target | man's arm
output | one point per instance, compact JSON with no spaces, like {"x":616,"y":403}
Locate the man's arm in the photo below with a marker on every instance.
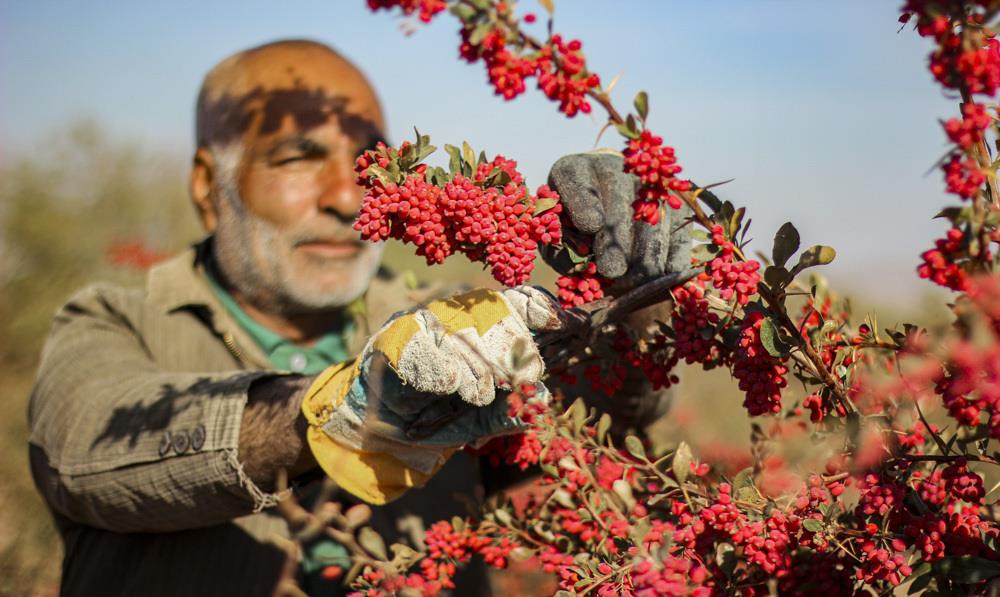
{"x":120,"y":444}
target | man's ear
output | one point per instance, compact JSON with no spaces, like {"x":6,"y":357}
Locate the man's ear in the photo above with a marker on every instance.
{"x":200,"y":187}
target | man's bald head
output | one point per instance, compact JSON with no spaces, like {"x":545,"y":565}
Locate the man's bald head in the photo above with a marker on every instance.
{"x":254,"y":91}
{"x":279,"y":128}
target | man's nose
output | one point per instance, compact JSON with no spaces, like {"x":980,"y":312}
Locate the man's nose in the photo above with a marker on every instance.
{"x":339,"y":195}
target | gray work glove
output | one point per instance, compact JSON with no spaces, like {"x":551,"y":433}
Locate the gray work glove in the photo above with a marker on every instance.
{"x":597,"y":198}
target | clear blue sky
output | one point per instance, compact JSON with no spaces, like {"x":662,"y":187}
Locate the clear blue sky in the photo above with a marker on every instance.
{"x":822,"y":113}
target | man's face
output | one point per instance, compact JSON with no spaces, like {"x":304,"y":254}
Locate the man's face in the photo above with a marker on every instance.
{"x":284,"y":238}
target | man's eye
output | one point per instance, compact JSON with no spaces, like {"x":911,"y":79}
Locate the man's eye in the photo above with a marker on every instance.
{"x":287,"y":159}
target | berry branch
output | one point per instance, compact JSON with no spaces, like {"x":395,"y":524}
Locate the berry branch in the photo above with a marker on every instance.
{"x":610,"y":516}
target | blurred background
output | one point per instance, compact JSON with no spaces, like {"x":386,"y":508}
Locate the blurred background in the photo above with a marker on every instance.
{"x":821,"y":113}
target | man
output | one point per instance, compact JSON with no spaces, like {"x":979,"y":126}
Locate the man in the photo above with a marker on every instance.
{"x":162,"y":415}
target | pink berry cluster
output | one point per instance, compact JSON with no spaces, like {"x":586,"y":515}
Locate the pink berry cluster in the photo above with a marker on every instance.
{"x":942,"y":263}
{"x":730,"y":277}
{"x":759,"y":374}
{"x":971,"y":388}
{"x":656,"y":166}
{"x":558,"y":65}
{"x":487,"y":214}
{"x":579,"y":288}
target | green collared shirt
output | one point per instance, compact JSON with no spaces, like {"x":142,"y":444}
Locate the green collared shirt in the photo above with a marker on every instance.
{"x":284,"y":354}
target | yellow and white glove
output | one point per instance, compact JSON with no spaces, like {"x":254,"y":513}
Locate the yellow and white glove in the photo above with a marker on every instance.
{"x":424,"y":386}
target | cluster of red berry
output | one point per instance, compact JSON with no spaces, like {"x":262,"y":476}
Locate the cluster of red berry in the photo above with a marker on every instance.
{"x":759,"y":374}
{"x":558,"y":65}
{"x":489,"y":216}
{"x":731,"y":277}
{"x":941,"y":264}
{"x":426,"y":9}
{"x":656,"y":166}
{"x":581,"y":287}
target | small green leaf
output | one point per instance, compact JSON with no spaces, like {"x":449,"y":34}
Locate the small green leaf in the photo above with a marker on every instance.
{"x":812,"y":525}
{"x":626,"y":132}
{"x":455,"y":161}
{"x":634,"y":446}
{"x":681,"y":464}
{"x":786,"y":242}
{"x":770,"y":339}
{"x":380,"y":173}
{"x":642,"y":104}
{"x":813,"y":256}
{"x":564,"y":499}
{"x":373,"y":543}
{"x":544,"y":204}
{"x":503,"y":517}
{"x":464,"y":12}
{"x":603,"y":425}
{"x":624,"y":491}
{"x":479,"y":33}
{"x":725,"y":557}
{"x":469,"y":155}
{"x":776,"y":276}
{"x":710,"y":199}
{"x":578,"y":414}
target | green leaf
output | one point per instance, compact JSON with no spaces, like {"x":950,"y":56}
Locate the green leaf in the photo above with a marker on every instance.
{"x":626,"y":132}
{"x":545,"y":204}
{"x":503,"y":517}
{"x":641,"y":104}
{"x":736,"y":222}
{"x":380,"y":173}
{"x":710,"y":199}
{"x":681,"y":464}
{"x":603,"y":425}
{"x":373,"y":543}
{"x":624,"y":491}
{"x":771,"y":340}
{"x":744,"y":488}
{"x":578,"y":414}
{"x":776,"y":276}
{"x":786,"y":242}
{"x":813,"y":256}
{"x":564,"y":499}
{"x":455,"y":161}
{"x":634,"y":446}
{"x":469,"y":155}
{"x":479,"y":33}
{"x":725,"y":557}
{"x":812,"y":525}
{"x":464,"y":12}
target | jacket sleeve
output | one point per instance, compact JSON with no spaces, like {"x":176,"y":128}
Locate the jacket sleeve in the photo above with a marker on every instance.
{"x":120,"y":444}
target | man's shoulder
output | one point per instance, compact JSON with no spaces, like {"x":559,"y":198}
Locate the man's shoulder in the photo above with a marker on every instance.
{"x":165,"y":285}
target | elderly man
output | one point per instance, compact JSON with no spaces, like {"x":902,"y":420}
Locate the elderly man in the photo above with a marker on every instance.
{"x":162,"y":415}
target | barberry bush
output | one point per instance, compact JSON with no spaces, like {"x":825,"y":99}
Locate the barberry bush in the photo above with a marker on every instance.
{"x":898,"y":499}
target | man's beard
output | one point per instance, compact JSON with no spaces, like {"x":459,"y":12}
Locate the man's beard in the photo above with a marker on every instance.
{"x":258,"y":261}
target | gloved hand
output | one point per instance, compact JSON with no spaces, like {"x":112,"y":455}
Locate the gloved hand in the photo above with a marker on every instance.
{"x":424,"y":386}
{"x":597,"y":197}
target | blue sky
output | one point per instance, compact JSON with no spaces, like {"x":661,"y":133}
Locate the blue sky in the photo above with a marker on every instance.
{"x":820,"y":111}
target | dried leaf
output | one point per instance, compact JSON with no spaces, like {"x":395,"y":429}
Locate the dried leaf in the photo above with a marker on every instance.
{"x":682,"y":462}
{"x":548,"y":5}
{"x":813,"y":256}
{"x":372,"y":542}
{"x":545,"y":204}
{"x":603,"y":425}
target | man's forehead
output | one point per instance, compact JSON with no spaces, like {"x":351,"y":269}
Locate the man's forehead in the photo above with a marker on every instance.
{"x":257,"y":94}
